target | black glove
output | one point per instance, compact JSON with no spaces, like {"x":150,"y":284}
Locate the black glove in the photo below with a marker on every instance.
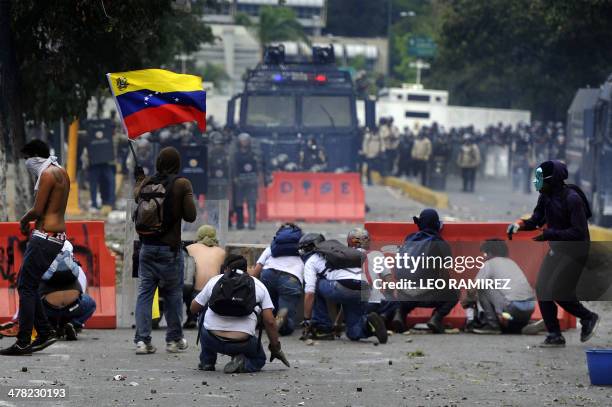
{"x":277,"y":353}
{"x":539,"y":238}
{"x":138,"y":172}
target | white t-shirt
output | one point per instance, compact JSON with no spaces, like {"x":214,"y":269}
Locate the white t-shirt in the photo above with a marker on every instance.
{"x":216,"y":322}
{"x":506,"y":268}
{"x":82,"y":280}
{"x":289,"y":264}
{"x":316,"y":265}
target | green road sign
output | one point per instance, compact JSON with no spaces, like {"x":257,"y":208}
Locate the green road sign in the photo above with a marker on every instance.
{"x":421,"y":46}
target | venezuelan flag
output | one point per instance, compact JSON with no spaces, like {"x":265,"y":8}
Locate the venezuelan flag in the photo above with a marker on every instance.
{"x":150,"y":99}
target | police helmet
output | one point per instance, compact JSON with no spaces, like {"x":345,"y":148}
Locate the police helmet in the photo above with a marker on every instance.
{"x":358,"y":238}
{"x":216,"y":137}
{"x":308,"y":242}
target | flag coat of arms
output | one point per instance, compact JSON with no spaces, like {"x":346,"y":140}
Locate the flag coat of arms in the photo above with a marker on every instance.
{"x":151,"y":99}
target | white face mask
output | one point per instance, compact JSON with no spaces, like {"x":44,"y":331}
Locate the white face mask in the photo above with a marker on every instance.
{"x":34,"y":165}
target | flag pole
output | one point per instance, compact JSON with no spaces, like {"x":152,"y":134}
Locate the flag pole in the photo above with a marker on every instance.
{"x":133,"y":153}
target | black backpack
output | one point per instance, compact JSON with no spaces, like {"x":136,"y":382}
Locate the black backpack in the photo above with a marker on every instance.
{"x":580,"y":192}
{"x":338,"y":256}
{"x":153,"y":214}
{"x":233,"y":295}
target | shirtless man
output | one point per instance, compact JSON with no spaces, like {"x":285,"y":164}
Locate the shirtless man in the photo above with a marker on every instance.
{"x":45,"y":242}
{"x":208,"y":258}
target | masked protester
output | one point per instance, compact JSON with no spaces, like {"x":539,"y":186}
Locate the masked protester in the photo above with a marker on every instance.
{"x":45,"y":243}
{"x":564,"y":210}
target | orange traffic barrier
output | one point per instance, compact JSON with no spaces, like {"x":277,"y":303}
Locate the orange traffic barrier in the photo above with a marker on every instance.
{"x":89,"y":248}
{"x":465,"y":239}
{"x":315,"y":197}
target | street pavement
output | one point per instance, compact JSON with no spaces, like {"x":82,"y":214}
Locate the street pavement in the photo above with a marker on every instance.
{"x":410,"y":370}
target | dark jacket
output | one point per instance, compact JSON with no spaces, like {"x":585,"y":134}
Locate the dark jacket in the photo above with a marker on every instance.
{"x":182,"y":201}
{"x":562,"y":210}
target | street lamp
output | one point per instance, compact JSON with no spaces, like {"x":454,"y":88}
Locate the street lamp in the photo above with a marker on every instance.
{"x":402,"y":14}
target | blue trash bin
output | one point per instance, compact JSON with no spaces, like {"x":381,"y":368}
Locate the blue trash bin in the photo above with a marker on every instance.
{"x":599,"y":362}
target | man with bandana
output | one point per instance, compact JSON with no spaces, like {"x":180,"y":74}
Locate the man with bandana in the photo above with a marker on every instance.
{"x":208,"y":258}
{"x":564,"y":210}
{"x":45,"y":243}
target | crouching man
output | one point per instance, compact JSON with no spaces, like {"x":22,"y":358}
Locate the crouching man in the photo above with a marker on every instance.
{"x":508,"y":310}
{"x":63,"y":291}
{"x":333,"y":273}
{"x":231,"y":302}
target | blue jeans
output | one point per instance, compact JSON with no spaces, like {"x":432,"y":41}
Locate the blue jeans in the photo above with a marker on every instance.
{"x":286,"y":292}
{"x":102,"y":175}
{"x":251,"y":349}
{"x":39,"y":255}
{"x":353,"y":307}
{"x":78,"y":316}
{"x":159,"y":266}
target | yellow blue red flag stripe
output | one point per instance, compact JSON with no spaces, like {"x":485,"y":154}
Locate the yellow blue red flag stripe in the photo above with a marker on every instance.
{"x":150,"y":99}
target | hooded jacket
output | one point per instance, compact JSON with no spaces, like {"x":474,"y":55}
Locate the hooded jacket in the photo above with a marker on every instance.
{"x":561,"y":209}
{"x":181,"y":197}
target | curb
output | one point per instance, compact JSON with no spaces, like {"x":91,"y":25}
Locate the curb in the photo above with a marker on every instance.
{"x":600,"y":234}
{"x":417,"y":192}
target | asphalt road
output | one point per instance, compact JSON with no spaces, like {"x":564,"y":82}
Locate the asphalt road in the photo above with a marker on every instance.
{"x":455,"y":370}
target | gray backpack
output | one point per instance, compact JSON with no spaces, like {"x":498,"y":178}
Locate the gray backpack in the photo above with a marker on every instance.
{"x":153,"y":214}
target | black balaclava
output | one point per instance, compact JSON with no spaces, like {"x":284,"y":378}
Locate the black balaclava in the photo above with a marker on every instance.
{"x":168,"y":161}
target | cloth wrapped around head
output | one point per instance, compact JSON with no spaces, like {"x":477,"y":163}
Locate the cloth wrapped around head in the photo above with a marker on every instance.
{"x":207,"y":235}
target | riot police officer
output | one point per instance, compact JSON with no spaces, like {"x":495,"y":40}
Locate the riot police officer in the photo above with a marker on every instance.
{"x":246,"y":172}
{"x":218,"y":168}
{"x":312,"y":156}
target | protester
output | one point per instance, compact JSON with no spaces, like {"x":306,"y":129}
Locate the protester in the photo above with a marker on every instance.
{"x":468,"y":160}
{"x":63,"y":290}
{"x":46,"y":241}
{"x":507,"y":310}
{"x":161,"y":258}
{"x":333,"y":273}
{"x":564,"y":210}
{"x":231,"y":302}
{"x":208,"y":258}
{"x":281,"y":270}
{"x":426,"y":242}
{"x":246,"y":173}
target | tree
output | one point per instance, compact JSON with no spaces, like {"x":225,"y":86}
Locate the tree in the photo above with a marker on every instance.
{"x":63,"y":49}
{"x":528,"y":54}
{"x":357,"y":18}
{"x":279,"y":24}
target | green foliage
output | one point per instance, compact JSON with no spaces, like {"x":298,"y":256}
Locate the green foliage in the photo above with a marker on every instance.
{"x":279,"y":24}
{"x":528,"y":54}
{"x":65,"y":48}
{"x":214,"y":73}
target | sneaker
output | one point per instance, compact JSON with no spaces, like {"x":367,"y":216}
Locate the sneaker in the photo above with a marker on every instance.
{"x":207,"y":367}
{"x":553,"y":341}
{"x":70,"y":332}
{"x":17,"y":350}
{"x":42,"y":342}
{"x":144,"y":348}
{"x":487,"y":330}
{"x":177,"y":346}
{"x":236,"y":365}
{"x":435,"y":324}
{"x":588,"y":327}
{"x":281,"y":317}
{"x":321,"y":335}
{"x":377,"y":327}
{"x":534,"y":328}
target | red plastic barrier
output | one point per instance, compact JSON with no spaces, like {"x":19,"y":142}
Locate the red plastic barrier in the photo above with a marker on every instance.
{"x":91,"y":251}
{"x":315,"y":197}
{"x":527,"y":256}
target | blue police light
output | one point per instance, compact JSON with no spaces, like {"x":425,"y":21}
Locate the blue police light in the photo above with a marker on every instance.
{"x":277,"y":77}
